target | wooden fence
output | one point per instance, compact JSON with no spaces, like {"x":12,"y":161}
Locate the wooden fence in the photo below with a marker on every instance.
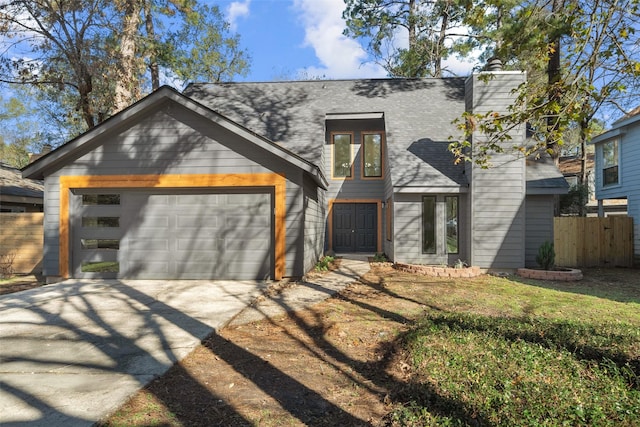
{"x":21,"y":241}
{"x":593,"y":241}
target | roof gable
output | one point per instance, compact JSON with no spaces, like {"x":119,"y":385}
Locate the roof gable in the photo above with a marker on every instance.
{"x":619,"y":127}
{"x":86,"y":142}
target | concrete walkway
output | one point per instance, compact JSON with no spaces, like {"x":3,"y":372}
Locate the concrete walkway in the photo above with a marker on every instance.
{"x":73,"y":352}
{"x":305,"y":293}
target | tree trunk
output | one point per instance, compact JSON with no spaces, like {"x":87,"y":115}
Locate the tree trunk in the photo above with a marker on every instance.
{"x":153,"y":53}
{"x":584,"y":124}
{"x":553,"y":75}
{"x":437,"y":72}
{"x":84,"y":90}
{"x":411,"y":24}
{"x":125,"y":92}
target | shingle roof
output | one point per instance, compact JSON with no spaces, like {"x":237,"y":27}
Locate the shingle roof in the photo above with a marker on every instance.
{"x":12,"y":183}
{"x":543,"y":176}
{"x":418,"y":118}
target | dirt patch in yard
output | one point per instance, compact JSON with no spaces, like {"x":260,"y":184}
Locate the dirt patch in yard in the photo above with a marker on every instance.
{"x":20,"y":283}
{"x":334,"y":363}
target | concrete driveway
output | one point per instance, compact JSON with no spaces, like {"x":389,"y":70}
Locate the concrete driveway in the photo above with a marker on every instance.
{"x":73,"y":352}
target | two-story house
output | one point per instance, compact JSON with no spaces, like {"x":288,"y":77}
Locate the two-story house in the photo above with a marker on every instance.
{"x":259,"y":180}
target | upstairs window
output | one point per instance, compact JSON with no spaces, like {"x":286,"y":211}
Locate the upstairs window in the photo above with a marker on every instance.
{"x":372,"y":155}
{"x":610,"y":162}
{"x":342,"y":155}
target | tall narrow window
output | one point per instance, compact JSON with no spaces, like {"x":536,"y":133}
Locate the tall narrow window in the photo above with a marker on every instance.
{"x":372,"y":155}
{"x":389,"y":219}
{"x":452,"y":224}
{"x":341,"y":155}
{"x":429,"y":225}
{"x":610,"y":162}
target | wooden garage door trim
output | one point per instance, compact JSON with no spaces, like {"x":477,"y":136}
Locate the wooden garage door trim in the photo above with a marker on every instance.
{"x":378,"y":203}
{"x":274,"y":180}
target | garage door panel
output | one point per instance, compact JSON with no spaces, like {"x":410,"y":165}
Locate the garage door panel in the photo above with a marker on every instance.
{"x":195,"y":222}
{"x":198,"y":200}
{"x":242,"y":245}
{"x":208,"y":246}
{"x":148,"y":270}
{"x":152,"y":222}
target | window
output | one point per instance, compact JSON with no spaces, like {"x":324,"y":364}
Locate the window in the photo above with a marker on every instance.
{"x":372,"y":155}
{"x":389,"y":219}
{"x":113,"y":244}
{"x":101,"y":221}
{"x":101,"y":267}
{"x":452,"y":225}
{"x":100,"y":199}
{"x":429,"y":225}
{"x":610,"y":162}
{"x":341,"y":155}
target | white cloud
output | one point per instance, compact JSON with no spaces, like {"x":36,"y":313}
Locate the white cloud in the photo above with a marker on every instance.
{"x":236,"y":10}
{"x":339,"y":56}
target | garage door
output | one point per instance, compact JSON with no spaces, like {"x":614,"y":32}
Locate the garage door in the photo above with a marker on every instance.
{"x":179,"y":236}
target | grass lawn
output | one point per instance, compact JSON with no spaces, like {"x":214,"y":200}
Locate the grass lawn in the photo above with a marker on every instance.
{"x":399,"y":349}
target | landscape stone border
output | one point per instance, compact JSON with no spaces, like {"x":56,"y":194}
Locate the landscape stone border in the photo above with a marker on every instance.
{"x":568,"y":275}
{"x":438,"y":271}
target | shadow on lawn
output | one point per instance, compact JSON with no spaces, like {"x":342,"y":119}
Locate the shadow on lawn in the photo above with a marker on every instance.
{"x":615,"y":284}
{"x":300,"y":401}
{"x":310,"y":407}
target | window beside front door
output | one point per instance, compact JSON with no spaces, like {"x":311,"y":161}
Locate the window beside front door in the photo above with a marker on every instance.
{"x":452,"y":224}
{"x":342,"y":156}
{"x":436,"y":218}
{"x":372,"y":155}
{"x":429,"y":224}
{"x":610,"y":162}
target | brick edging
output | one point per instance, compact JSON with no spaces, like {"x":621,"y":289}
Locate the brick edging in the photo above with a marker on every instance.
{"x":436,"y":271}
{"x":568,"y":275}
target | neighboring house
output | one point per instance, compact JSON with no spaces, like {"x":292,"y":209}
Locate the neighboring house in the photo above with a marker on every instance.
{"x":258,"y":180}
{"x":18,"y":194}
{"x":617,"y":168}
{"x":570,"y":166}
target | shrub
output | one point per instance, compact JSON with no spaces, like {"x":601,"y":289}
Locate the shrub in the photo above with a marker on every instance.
{"x":6,"y":265}
{"x":380,"y":257}
{"x":546,"y":257}
{"x":323,"y":263}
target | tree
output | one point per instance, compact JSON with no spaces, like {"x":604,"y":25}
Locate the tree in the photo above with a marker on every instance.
{"x":599,"y":60}
{"x":18,"y":132}
{"x":57,"y":46}
{"x":428,"y":26}
{"x":86,"y":58}
{"x":204,"y":50}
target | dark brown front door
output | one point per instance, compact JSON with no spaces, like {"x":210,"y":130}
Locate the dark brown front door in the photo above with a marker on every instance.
{"x":355,"y":227}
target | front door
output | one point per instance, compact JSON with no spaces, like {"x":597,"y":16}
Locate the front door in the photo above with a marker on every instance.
{"x":355,"y":227}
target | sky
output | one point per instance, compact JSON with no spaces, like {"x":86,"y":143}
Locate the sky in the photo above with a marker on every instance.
{"x":293,"y":39}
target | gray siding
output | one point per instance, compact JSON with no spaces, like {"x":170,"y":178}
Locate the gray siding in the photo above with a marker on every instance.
{"x":174,"y":140}
{"x":50,"y":258}
{"x":407,"y":225}
{"x":539,"y":226}
{"x":497,"y":194}
{"x":629,"y":177}
{"x":314,"y":224}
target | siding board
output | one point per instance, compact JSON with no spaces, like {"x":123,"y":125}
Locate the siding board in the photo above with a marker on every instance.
{"x":496,"y":198}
